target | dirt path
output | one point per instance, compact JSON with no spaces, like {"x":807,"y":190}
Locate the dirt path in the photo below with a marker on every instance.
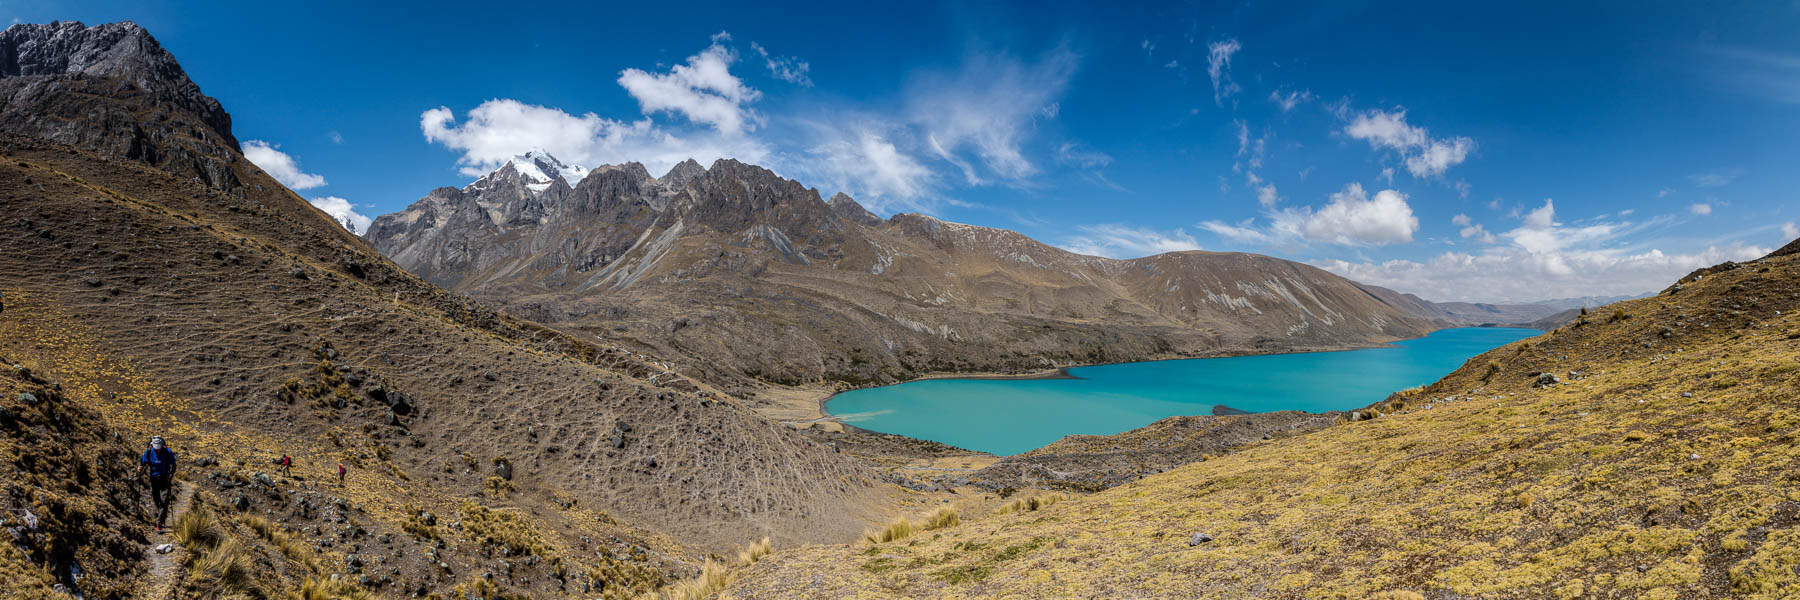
{"x":165,"y":572}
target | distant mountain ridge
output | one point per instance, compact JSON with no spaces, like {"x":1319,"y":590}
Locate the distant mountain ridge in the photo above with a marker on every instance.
{"x":744,"y":275}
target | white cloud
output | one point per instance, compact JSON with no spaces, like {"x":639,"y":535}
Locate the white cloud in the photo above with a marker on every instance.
{"x":1472,"y":230}
{"x":987,"y":109}
{"x":1123,"y":241}
{"x":1702,"y":209}
{"x":497,"y":130}
{"x":1663,"y":193}
{"x":703,"y":90}
{"x":1514,"y":274}
{"x":786,"y":68}
{"x":343,"y":212}
{"x":278,"y":164}
{"x":1544,"y":259}
{"x":1718,"y":178}
{"x":336,"y":138}
{"x":1291,"y":99}
{"x":1542,"y":217}
{"x":1351,"y":218}
{"x":1789,"y":231}
{"x":1218,"y":65}
{"x":1267,"y":196}
{"x":1424,"y":155}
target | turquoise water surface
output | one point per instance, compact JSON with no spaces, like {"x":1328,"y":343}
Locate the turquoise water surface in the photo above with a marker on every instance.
{"x":1011,"y":416}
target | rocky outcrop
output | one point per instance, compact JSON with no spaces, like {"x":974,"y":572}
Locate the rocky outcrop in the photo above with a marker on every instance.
{"x":114,"y":90}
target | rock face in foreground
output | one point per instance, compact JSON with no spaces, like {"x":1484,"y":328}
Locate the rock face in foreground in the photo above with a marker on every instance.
{"x":743,"y":276}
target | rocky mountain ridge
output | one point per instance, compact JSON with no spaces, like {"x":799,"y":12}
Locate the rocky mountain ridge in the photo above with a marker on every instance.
{"x":741,"y":275}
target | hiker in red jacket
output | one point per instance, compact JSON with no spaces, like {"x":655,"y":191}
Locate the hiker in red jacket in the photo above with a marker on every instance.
{"x":287,"y":465}
{"x":340,"y":474}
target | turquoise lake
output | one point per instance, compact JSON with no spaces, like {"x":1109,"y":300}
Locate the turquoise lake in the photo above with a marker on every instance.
{"x":1009,"y":416}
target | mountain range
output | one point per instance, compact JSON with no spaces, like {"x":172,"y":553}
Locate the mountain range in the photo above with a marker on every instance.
{"x":743,"y":276}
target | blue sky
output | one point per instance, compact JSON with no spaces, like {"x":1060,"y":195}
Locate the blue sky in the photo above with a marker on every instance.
{"x":1537,"y":151}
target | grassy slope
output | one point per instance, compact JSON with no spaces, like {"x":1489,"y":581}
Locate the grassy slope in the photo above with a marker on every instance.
{"x":1611,"y":484}
{"x":163,"y":307}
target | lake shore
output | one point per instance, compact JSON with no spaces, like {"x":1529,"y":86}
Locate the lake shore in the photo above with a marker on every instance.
{"x":805,"y":406}
{"x":1289,"y":375}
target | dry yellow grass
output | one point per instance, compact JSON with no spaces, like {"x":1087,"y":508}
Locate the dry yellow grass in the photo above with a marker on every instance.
{"x":1663,"y":466}
{"x":898,"y":530}
{"x":944,"y":517}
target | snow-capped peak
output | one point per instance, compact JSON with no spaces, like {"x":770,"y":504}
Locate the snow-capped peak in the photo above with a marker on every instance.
{"x":539,"y":169}
{"x":542,"y":168}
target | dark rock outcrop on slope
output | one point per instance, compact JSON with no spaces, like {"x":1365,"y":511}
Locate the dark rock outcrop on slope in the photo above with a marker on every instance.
{"x":113,"y":89}
{"x":744,"y":277}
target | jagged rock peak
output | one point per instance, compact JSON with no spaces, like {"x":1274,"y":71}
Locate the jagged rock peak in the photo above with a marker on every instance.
{"x":681,"y":173}
{"x":120,"y":50}
{"x":68,"y":47}
{"x":847,"y":208}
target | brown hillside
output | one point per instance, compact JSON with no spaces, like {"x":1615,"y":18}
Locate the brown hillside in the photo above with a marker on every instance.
{"x":1649,"y":451}
{"x":244,"y":324}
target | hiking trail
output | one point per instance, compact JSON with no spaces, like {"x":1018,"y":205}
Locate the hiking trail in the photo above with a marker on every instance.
{"x":164,"y":572}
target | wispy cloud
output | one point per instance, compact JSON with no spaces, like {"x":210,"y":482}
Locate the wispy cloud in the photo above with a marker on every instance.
{"x":1290,"y":99}
{"x":1218,"y":67}
{"x":1772,"y":76}
{"x":1124,"y":241}
{"x":786,"y":68}
{"x":978,"y":116}
{"x":1716,"y":178}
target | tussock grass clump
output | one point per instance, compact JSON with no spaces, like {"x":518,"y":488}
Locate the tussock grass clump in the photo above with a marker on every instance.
{"x":197,"y":530}
{"x":754,"y":552}
{"x":489,"y":526}
{"x":227,"y":567}
{"x":712,"y":579}
{"x":897,"y":530}
{"x":1031,"y":504}
{"x":944,"y":517}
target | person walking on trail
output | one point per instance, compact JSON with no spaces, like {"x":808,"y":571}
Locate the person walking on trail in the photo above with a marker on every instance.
{"x":287,"y":465}
{"x":340,"y":474}
{"x":159,"y":463}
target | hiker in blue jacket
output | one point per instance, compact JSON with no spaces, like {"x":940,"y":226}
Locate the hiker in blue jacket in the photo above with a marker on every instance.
{"x":159,"y":462}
